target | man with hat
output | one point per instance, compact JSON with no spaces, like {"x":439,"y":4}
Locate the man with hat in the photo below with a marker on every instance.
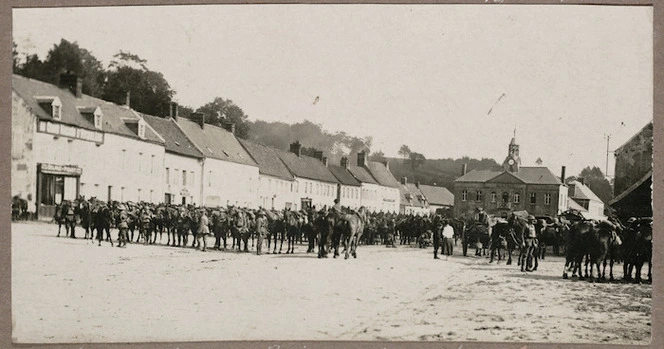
{"x":203,"y":230}
{"x":261,"y":230}
{"x":530,"y":244}
{"x":123,"y":227}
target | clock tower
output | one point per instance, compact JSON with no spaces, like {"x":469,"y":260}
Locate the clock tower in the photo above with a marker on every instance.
{"x":512,"y":161}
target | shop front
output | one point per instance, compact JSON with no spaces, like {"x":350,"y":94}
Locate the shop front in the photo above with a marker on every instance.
{"x":56,"y":183}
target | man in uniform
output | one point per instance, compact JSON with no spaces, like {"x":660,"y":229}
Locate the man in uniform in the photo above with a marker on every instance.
{"x":261,"y":230}
{"x":529,"y":244}
{"x":203,"y":230}
{"x":437,"y":236}
{"x":123,"y":227}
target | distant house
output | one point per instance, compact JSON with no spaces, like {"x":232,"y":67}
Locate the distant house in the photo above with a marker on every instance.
{"x":349,"y":188}
{"x":633,"y":176}
{"x":412,"y":199}
{"x":439,"y":198}
{"x":388,"y":192}
{"x":230,"y":175}
{"x":314,"y":185}
{"x":66,"y":144}
{"x":370,"y":188}
{"x":276,"y":189}
{"x":584,"y":197}
{"x":183,"y":162}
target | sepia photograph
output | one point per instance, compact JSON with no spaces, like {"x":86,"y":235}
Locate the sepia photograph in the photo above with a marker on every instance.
{"x":327,"y":172}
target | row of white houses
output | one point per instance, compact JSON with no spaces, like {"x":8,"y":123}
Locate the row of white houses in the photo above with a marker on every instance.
{"x":66,"y":144}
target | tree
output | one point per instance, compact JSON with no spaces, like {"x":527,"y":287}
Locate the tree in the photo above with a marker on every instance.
{"x":416,"y":160}
{"x":594,"y":179}
{"x":149,"y":91}
{"x":378,"y":156}
{"x":404,"y":151}
{"x":220,"y":110}
{"x":69,"y":57}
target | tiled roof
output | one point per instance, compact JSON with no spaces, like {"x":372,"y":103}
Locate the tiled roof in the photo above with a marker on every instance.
{"x":267,"y":159}
{"x":437,"y":195}
{"x":582,"y":192}
{"x":382,"y":174}
{"x":410,"y":191}
{"x":361,"y":174}
{"x":176,"y":141}
{"x":306,"y":167}
{"x":114,"y":115}
{"x":215,"y":142}
{"x":343,"y":175}
{"x":537,"y":175}
{"x":530,"y":175}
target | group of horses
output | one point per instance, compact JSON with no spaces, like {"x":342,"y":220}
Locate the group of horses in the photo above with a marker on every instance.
{"x":19,"y":208}
{"x":328,"y":229}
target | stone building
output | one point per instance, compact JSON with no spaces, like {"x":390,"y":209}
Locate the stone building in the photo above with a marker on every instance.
{"x":509,"y":188}
{"x":633,"y":176}
{"x":276,"y":188}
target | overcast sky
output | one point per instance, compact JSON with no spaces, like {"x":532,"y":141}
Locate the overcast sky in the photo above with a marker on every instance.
{"x":422,"y":75}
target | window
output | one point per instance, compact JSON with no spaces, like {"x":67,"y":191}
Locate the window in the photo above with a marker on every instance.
{"x":193,"y":179}
{"x":464,"y":195}
{"x":184,"y":177}
{"x":140,"y":162}
{"x":124,"y":159}
{"x":517,"y":198}
{"x":168,"y":178}
{"x":547,"y":199}
{"x":478,"y":195}
{"x":291,"y":187}
{"x":152,"y":164}
{"x":176,"y":180}
{"x":141,"y":129}
{"x":533,"y":198}
{"x":306,"y":187}
{"x":98,"y":120}
{"x":210,"y":179}
{"x":493,"y":196}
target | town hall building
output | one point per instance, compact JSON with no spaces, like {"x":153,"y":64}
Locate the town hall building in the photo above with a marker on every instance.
{"x":510,"y":188}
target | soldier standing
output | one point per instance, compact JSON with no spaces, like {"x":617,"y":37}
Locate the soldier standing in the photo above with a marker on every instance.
{"x":123,"y":227}
{"x":203,"y":230}
{"x":437,"y":236}
{"x":261,"y":231}
{"x":529,"y":244}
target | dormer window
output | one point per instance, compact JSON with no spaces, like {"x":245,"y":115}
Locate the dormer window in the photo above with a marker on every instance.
{"x":51,"y":105}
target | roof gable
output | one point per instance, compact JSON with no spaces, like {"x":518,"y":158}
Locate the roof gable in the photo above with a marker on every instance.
{"x":437,"y":195}
{"x":506,"y":177}
{"x":361,"y":174}
{"x":382,"y":174}
{"x":215,"y":142}
{"x":267,"y":159}
{"x":343,"y":175}
{"x":175,"y":140}
{"x":581,"y":191}
{"x":306,"y":167}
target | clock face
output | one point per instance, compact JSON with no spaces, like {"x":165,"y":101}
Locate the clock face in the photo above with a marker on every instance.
{"x":511,"y":161}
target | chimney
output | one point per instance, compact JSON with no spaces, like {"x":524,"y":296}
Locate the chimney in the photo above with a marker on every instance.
{"x":173,"y":111}
{"x":73,"y":83}
{"x":464,"y":168}
{"x":344,"y":162}
{"x":362,"y":159}
{"x":387,"y":164}
{"x":325,"y":161}
{"x":296,"y":148}
{"x":318,"y":155}
{"x":228,"y":126}
{"x":128,"y":99}
{"x":404,"y":180}
{"x":200,"y":118}
{"x":417,"y":184}
{"x":562,"y":174}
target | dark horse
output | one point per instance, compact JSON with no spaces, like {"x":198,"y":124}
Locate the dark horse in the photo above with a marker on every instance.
{"x":499,"y":237}
{"x":478,"y":235}
{"x":637,"y":249}
{"x":19,"y":208}
{"x":292,"y":224}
